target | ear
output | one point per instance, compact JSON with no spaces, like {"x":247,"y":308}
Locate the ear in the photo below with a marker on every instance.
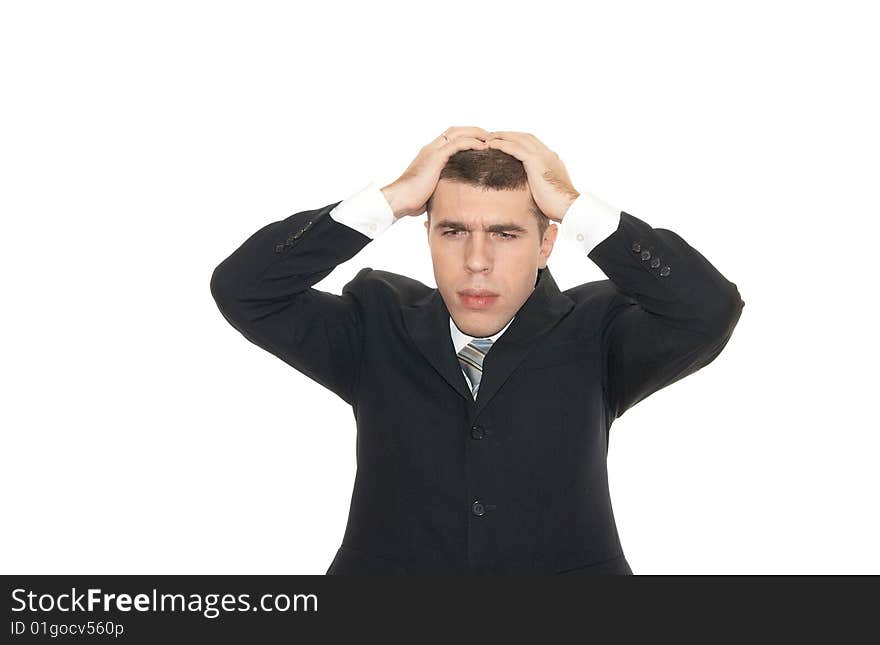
{"x":547,"y":244}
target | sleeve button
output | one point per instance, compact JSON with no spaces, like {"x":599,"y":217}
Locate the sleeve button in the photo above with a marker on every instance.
{"x":665,"y":271}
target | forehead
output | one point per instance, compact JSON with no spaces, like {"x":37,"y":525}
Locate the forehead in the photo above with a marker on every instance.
{"x":477,"y":204}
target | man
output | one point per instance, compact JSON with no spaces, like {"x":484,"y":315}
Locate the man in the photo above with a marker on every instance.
{"x":483,"y":406}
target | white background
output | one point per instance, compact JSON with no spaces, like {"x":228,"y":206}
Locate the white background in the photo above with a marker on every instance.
{"x":143,"y":142}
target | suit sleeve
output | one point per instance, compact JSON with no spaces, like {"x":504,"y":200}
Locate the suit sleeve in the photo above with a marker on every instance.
{"x":264,"y":290}
{"x":672,"y":314}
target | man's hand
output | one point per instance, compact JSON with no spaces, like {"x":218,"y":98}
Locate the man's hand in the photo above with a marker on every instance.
{"x":409,"y":194}
{"x":548,"y":179}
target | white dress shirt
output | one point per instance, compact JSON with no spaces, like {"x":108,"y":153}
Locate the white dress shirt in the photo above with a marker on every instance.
{"x":460,"y":339}
{"x":587,"y":222}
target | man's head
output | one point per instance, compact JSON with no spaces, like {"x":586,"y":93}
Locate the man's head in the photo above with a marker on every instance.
{"x":487,"y":234}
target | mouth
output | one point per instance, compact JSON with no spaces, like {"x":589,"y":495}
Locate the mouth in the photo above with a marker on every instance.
{"x":478,"y":298}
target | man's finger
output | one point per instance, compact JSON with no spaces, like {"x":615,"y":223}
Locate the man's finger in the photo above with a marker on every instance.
{"x":526,"y":140}
{"x":462,"y":143}
{"x":510,"y":134}
{"x":513,"y":148}
{"x":466,"y":130}
{"x":456,"y":132}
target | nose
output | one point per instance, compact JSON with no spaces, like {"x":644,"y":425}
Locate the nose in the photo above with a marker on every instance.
{"x":478,"y":253}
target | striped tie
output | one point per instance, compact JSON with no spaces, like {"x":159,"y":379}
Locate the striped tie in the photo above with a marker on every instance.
{"x":471,"y":358}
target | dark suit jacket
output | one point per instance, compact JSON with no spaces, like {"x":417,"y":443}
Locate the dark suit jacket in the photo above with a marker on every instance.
{"x":514,"y":482}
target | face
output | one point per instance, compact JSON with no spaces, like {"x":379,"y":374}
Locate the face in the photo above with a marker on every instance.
{"x":486,"y":242}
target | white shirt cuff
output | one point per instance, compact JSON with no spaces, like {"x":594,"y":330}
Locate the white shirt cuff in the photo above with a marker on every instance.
{"x":588,"y":221}
{"x":366,"y":211}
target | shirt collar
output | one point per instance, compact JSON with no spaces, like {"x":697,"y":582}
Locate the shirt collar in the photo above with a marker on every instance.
{"x":460,"y":339}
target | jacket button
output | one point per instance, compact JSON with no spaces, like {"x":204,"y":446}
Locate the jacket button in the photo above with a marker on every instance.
{"x":636,"y":247}
{"x":655,"y":263}
{"x":665,"y":271}
{"x":477,"y":508}
{"x":646,"y":254}
{"x":477,"y":432}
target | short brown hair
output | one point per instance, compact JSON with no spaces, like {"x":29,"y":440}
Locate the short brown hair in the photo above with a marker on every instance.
{"x":493,"y":169}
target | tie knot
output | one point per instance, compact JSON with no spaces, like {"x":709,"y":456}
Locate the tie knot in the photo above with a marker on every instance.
{"x":482,"y":344}
{"x":476,"y":349}
{"x":471,"y":358}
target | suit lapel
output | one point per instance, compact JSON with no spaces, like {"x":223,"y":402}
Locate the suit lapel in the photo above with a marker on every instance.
{"x":427,"y":322}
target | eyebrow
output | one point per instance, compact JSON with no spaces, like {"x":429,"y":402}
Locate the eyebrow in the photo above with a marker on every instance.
{"x":492,"y":228}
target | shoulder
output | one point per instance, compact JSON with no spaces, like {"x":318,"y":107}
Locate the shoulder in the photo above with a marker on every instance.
{"x":392,"y":287}
{"x":598,"y":303}
{"x":597,"y":294}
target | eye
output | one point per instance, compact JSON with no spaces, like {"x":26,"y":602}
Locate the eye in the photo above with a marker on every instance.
{"x":504,"y":236}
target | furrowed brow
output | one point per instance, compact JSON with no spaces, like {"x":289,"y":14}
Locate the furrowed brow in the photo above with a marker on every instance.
{"x":504,"y":227}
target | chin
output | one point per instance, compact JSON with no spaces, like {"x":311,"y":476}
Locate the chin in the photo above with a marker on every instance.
{"x":478,"y":324}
